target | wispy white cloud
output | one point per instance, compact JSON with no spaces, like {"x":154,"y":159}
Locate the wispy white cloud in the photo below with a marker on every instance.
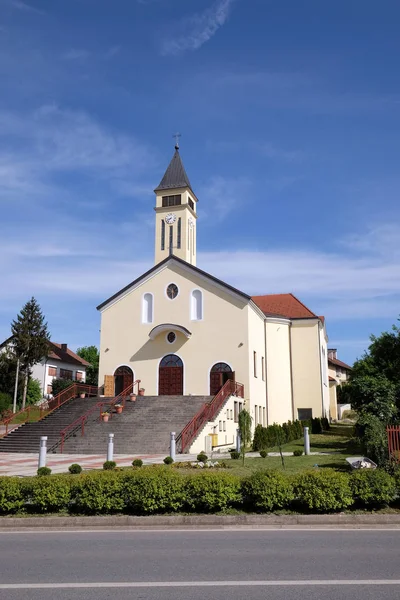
{"x":266,"y":149}
{"x":224,"y":195}
{"x":75,"y":54}
{"x":112,"y":51}
{"x":23,"y":6}
{"x":198,"y":29}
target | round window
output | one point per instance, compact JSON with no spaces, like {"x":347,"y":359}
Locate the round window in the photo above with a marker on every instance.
{"x":172,"y":291}
{"x":171,"y":337}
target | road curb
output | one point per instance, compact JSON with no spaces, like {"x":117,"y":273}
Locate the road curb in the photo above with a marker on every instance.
{"x":199,"y":521}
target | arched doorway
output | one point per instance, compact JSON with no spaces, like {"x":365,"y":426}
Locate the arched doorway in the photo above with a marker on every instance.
{"x":219,"y":374}
{"x":170,"y":376}
{"x":123,"y":377}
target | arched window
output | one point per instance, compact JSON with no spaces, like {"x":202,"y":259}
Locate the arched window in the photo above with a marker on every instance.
{"x":196,"y":305}
{"x":171,"y":360}
{"x":147,"y":308}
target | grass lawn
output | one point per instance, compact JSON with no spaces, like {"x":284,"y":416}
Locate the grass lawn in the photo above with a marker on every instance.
{"x":34,"y":415}
{"x":337,"y":442}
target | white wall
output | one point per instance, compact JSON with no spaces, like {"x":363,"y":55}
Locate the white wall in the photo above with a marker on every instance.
{"x":40,"y":371}
{"x":279,"y":384}
{"x":226,"y":437}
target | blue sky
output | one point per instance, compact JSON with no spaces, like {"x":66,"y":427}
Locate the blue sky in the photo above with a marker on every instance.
{"x":289,"y":113}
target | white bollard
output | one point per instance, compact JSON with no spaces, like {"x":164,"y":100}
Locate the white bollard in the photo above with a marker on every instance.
{"x":110,"y":447}
{"x":306,"y":441}
{"x":172,"y":446}
{"x":42,"y":451}
{"x":238,"y":443}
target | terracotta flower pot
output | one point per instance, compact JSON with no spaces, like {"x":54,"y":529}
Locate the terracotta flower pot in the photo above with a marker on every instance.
{"x":132,"y":397}
{"x":141,"y":392}
{"x":82,"y":395}
{"x":105,"y":418}
{"x":118,"y":409}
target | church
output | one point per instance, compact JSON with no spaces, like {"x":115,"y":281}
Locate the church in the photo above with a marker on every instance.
{"x":183,"y":332}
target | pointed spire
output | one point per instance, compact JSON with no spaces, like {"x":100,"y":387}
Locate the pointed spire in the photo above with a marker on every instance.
{"x":175,"y":176}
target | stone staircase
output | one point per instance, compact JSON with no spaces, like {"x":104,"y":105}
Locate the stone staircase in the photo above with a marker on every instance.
{"x":143,"y":427}
{"x":26,"y":438}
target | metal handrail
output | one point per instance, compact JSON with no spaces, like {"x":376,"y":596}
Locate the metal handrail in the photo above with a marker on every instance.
{"x":208,"y":413}
{"x":48,"y":407}
{"x":81,"y":421}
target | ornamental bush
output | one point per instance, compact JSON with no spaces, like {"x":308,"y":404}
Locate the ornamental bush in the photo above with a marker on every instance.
{"x":263,"y":453}
{"x":168,"y":460}
{"x":137,"y":462}
{"x":75,"y":469}
{"x":44,"y":471}
{"x":153,"y":490}
{"x":323,"y":491}
{"x":235,"y":455}
{"x":268,"y":490}
{"x":98,"y":493}
{"x":212,"y":492}
{"x":298,"y":453}
{"x":12,"y":497}
{"x":202,"y":457}
{"x":109,"y":465}
{"x":372,"y":487}
{"x":48,"y":494}
{"x":269,"y":437}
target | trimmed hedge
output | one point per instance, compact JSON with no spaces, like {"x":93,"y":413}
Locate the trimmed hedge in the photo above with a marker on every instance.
{"x":161,"y":489}
{"x":323,"y":491}
{"x":372,"y":487}
{"x":268,"y":490}
{"x":268,"y":437}
{"x":212,"y":492}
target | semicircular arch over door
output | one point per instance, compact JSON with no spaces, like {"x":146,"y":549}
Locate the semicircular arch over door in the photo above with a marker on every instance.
{"x":170,"y":376}
{"x":123,"y":377}
{"x":220,"y":373}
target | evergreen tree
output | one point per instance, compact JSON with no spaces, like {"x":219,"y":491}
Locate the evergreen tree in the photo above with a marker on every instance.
{"x":245,"y":421}
{"x":91,"y":355}
{"x":30,"y":338}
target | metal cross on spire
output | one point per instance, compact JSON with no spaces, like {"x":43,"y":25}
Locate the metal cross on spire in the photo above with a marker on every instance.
{"x":177,"y":136}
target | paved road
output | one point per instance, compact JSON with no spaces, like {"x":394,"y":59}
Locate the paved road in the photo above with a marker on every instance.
{"x":201,"y":565}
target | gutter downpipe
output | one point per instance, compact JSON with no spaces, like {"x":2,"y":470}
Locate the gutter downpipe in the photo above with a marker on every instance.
{"x":291,"y":368}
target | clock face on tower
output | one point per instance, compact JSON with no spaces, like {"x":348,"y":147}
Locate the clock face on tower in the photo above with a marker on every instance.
{"x":170,"y":218}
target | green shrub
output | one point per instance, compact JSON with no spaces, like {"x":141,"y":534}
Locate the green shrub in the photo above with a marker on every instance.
{"x":269,"y":437}
{"x":212,"y":492}
{"x":316,"y":425}
{"x":323,"y":491}
{"x":168,"y":460}
{"x":5,"y":403}
{"x":372,"y":487}
{"x":153,"y":490}
{"x":263,"y":453}
{"x":371,"y":432}
{"x":44,"y":471}
{"x":98,"y":493}
{"x":11,"y":495}
{"x":298,"y":453}
{"x":49,"y":494}
{"x":109,"y":465}
{"x":58,"y":385}
{"x":33,"y":392}
{"x":202,"y":457}
{"x":268,"y":490}
{"x":75,"y":469}
{"x":235,"y":455}
{"x":137,"y":462}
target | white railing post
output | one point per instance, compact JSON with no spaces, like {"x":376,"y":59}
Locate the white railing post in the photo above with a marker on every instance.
{"x":172,"y":446}
{"x":306,"y":441}
{"x":42,"y":451}
{"x":110,"y":446}
{"x":238,"y":441}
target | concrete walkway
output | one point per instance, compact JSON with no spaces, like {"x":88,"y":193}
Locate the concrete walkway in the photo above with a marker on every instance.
{"x":23,"y":465}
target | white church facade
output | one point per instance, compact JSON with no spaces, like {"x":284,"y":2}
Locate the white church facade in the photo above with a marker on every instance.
{"x":183,"y":332}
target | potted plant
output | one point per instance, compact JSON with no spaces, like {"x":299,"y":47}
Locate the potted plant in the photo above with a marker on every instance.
{"x":105,"y":416}
{"x":118,"y":408}
{"x":132,"y":397}
{"x":141,"y":391}
{"x":82,"y":394}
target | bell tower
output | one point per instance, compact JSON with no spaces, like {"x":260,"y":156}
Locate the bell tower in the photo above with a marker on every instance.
{"x":175,"y":214}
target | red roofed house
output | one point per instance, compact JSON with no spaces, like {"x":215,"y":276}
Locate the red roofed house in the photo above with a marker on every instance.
{"x":339,"y":373}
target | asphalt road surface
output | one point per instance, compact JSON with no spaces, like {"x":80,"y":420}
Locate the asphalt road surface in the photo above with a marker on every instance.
{"x":201,"y":565}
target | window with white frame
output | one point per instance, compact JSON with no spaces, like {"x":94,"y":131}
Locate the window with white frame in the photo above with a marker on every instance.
{"x":263,"y":368}
{"x":196,"y":305}
{"x":147,"y":308}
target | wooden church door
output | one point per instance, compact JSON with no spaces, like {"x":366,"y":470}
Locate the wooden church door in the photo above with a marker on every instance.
{"x":219,"y":375}
{"x":170,"y":376}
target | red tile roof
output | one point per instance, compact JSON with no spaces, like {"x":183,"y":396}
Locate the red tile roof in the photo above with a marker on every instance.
{"x":286,"y":305}
{"x":58,"y":353}
{"x":339,"y":363}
